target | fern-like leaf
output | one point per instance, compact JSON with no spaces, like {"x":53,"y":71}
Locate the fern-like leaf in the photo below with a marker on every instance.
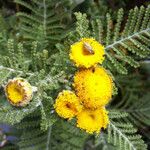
{"x":121,"y":43}
{"x":43,"y":24}
{"x":69,"y":137}
{"x":123,"y":135}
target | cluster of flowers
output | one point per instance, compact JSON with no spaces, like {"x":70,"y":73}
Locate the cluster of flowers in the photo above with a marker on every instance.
{"x":93,"y":88}
{"x":92,"y":84}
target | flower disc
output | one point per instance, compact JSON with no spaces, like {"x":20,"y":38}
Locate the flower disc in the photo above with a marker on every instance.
{"x":87,"y":52}
{"x":18,"y":91}
{"x":67,"y":104}
{"x":92,"y":120}
{"x":93,"y":86}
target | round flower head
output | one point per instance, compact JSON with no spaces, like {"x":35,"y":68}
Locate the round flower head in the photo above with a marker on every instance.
{"x":67,"y":104}
{"x":93,"y":86}
{"x":87,"y":52}
{"x":18,"y":91}
{"x":92,"y":120}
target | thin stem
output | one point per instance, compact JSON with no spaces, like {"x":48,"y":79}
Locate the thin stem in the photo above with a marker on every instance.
{"x":45,"y":17}
{"x":129,"y":37}
{"x":122,"y":135}
{"x":48,"y":138}
{"x":13,"y":70}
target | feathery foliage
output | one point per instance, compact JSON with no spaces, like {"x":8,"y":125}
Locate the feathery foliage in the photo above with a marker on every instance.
{"x":119,"y":41}
{"x":33,"y":137}
{"x":29,"y":67}
{"x":123,"y":134}
{"x":40,"y":54}
{"x":101,"y":143}
{"x":44,"y":23}
{"x":133,"y":101}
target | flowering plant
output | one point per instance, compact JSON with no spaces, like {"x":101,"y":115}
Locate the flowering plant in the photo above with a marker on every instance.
{"x":69,"y":83}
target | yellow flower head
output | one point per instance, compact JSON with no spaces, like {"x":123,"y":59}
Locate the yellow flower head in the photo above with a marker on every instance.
{"x":92,"y":120}
{"x":67,"y":104}
{"x":87,"y":52}
{"x":93,"y":86}
{"x":18,"y":91}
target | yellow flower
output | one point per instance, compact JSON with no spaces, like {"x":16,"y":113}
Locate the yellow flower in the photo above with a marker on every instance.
{"x":93,"y":86}
{"x":18,"y":91}
{"x":67,"y":104}
{"x":92,"y":120}
{"x":87,"y":52}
